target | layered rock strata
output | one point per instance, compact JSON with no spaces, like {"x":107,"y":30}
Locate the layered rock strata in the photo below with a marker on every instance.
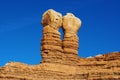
{"x":54,"y":50}
{"x":88,"y":69}
{"x":59,"y":58}
{"x":71,"y":25}
{"x":51,"y":43}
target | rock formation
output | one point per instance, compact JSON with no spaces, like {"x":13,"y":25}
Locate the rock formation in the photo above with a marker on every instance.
{"x":54,"y":50}
{"x":59,"y":58}
{"x":104,"y":67}
{"x":51,"y":43}
{"x":71,"y":25}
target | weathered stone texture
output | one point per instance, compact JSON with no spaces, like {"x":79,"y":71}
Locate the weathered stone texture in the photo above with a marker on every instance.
{"x":51,"y":42}
{"x":87,"y":69}
{"x":59,"y":58}
{"x":71,"y":25}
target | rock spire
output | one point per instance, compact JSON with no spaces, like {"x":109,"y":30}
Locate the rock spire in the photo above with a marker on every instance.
{"x":53,"y":48}
{"x":59,"y":58}
{"x":51,"y":42}
{"x":71,"y":25}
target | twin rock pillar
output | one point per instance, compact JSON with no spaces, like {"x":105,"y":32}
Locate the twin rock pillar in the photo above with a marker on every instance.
{"x":52,"y":47}
{"x":71,"y":25}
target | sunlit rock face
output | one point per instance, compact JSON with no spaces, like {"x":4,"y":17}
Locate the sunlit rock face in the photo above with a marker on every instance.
{"x":59,"y":57}
{"x":51,"y":44}
{"x":104,"y":67}
{"x":55,"y":50}
{"x":71,"y":25}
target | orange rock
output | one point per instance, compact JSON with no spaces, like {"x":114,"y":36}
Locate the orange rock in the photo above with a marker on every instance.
{"x":59,"y":58}
{"x":71,"y":25}
{"x":51,"y":42}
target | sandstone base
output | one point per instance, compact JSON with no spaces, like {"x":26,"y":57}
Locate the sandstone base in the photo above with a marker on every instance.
{"x":104,"y":67}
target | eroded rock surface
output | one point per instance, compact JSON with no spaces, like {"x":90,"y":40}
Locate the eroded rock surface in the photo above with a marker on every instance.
{"x":71,"y":25}
{"x":104,"y":67}
{"x":51,"y":43}
{"x":59,"y":58}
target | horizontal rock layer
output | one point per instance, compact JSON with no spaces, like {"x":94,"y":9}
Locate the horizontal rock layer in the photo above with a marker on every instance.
{"x":100,"y":68}
{"x":51,"y":46}
{"x":59,"y":57}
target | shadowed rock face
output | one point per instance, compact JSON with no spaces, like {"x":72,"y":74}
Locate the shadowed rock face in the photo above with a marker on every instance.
{"x":59,"y":57}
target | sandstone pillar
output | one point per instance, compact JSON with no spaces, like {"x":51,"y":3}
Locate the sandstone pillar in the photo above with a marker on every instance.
{"x":51,"y":44}
{"x":71,"y":25}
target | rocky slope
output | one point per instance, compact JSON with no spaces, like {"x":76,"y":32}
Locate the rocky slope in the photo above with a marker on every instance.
{"x":60,"y":59}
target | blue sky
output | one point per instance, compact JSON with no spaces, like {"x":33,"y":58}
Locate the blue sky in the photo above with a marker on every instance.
{"x":21,"y":31}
